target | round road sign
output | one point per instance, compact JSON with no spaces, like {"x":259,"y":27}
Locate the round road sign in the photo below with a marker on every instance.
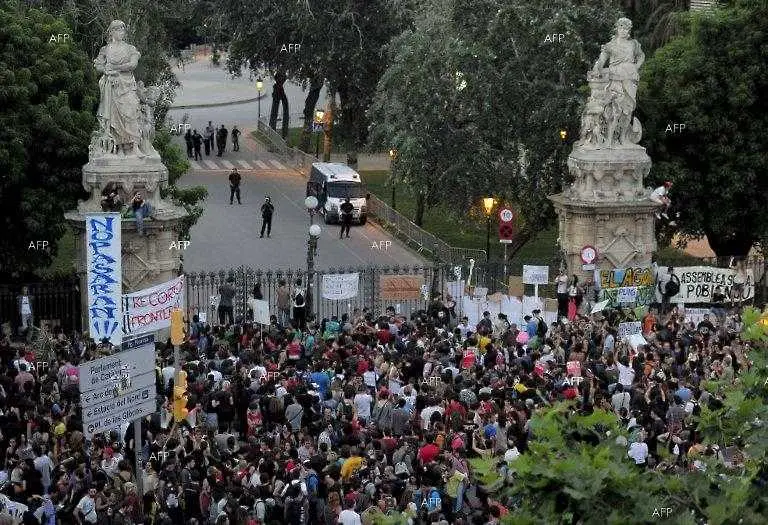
{"x":588,"y":254}
{"x":506,"y":215}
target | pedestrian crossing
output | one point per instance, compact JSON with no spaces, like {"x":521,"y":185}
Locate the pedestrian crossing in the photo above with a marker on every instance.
{"x":221,"y":164}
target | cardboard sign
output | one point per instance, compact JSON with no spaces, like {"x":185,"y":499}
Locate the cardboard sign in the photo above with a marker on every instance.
{"x":535,"y":274}
{"x":400,"y":287}
{"x":340,"y":286}
{"x":627,"y":295}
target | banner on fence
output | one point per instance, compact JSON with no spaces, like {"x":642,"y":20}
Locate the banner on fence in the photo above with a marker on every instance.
{"x":400,"y":287}
{"x":628,"y":329}
{"x":698,"y":283}
{"x":340,"y":286}
{"x":619,"y":286}
{"x":150,"y":309}
{"x":260,"y":309}
{"x":104,"y":276}
{"x":535,"y":274}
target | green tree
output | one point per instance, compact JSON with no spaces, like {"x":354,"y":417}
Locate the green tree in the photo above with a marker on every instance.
{"x":485,"y":118}
{"x":48,"y":97}
{"x":712,"y":79}
{"x":341,"y":43}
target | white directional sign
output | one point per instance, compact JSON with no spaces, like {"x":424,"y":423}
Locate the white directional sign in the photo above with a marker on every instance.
{"x":115,"y":406}
{"x":119,"y":388}
{"x":117,"y":419}
{"x":107,"y":392}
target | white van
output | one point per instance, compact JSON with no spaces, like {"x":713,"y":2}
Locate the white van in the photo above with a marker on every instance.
{"x":332,"y":183}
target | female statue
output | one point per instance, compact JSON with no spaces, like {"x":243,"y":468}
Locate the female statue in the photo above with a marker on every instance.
{"x":119,"y":104}
{"x":624,"y":57}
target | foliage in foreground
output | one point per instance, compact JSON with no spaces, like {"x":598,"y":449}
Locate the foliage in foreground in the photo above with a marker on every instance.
{"x":575,"y":472}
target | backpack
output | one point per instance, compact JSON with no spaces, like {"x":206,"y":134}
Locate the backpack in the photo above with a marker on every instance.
{"x":541,"y":330}
{"x":299,"y":300}
{"x":294,"y":510}
{"x":346,"y":410}
{"x":294,"y":351}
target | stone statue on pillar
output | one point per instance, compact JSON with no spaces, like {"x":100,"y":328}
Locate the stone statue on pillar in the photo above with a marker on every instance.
{"x":122,"y":163}
{"x":608,"y":120}
{"x":607,"y":206}
{"x":122,"y":119}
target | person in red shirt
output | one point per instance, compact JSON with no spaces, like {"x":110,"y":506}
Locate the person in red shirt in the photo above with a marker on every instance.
{"x":429,"y":452}
{"x":649,"y":321}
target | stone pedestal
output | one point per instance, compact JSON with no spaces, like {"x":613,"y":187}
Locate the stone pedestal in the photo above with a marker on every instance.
{"x":607,"y":206}
{"x":147,"y":260}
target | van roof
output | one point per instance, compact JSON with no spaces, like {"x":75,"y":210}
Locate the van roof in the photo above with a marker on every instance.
{"x":337,"y":171}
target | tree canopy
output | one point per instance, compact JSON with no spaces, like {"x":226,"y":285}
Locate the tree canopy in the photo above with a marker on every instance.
{"x":712,"y":79}
{"x":48,"y":98}
{"x":486,"y":118}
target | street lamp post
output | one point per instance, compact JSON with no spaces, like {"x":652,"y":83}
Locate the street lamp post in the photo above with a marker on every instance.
{"x":319,"y":118}
{"x":314,"y":234}
{"x":392,"y":155}
{"x":488,"y":204}
{"x":259,"y":88}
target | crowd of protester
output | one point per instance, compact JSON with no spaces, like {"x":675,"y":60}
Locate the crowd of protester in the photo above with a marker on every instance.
{"x":348,"y":418}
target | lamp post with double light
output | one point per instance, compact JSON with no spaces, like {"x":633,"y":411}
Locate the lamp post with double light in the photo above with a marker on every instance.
{"x":314,"y":235}
{"x":318,"y":128}
{"x":260,"y":89}
{"x":488,"y":204}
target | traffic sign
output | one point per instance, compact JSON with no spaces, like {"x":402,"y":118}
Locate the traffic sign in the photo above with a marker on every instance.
{"x":119,"y":418}
{"x":114,"y":406}
{"x":100,"y":373}
{"x":588,"y":254}
{"x":107,"y":392}
{"x":506,"y":215}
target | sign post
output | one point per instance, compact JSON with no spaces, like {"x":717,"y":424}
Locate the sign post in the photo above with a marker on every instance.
{"x":506,"y":232}
{"x":535,"y":275}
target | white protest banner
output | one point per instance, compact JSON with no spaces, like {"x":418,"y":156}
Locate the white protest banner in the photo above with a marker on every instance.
{"x":480,"y":292}
{"x":599,"y":307}
{"x":104,"y":276}
{"x":150,"y":309}
{"x":260,"y":309}
{"x":535,"y":274}
{"x":696,"y":315}
{"x":698,"y":283}
{"x":340,"y":286}
{"x":627,"y":294}
{"x":636,"y":340}
{"x":532,"y":303}
{"x":628,"y":329}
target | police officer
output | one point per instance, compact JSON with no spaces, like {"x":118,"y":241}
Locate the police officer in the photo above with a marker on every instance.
{"x":234,"y":186}
{"x":267,"y":210}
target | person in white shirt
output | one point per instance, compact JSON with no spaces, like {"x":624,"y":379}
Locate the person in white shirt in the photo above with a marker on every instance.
{"x":562,"y":294}
{"x":25,"y":311}
{"x":86,"y":508}
{"x":348,"y":516}
{"x":463,"y":327}
{"x":167,"y":372}
{"x":626,"y":373}
{"x":620,"y":399}
{"x":426,"y":414}
{"x":363,"y":402}
{"x":661,"y":196}
{"x":639,"y":452}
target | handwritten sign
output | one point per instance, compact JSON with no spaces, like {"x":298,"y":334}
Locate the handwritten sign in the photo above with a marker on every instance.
{"x":698,"y":283}
{"x":535,"y":274}
{"x":628,"y":329}
{"x":400,"y":287}
{"x":150,"y":309}
{"x":104,"y":276}
{"x":340,"y":286}
{"x":627,"y":294}
{"x":626,"y":286}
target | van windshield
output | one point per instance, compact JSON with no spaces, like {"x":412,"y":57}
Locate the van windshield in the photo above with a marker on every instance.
{"x":342,"y":190}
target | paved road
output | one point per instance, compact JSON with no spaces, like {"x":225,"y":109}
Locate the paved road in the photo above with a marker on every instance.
{"x":228,"y":235}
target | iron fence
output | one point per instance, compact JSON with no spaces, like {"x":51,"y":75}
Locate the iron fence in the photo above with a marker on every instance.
{"x":54,"y":303}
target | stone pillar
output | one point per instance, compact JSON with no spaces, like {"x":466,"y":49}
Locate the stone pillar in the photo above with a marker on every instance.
{"x":147,"y":260}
